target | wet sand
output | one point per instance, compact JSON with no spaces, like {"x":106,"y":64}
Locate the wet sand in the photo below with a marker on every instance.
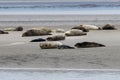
{"x":55,"y":21}
{"x":18,"y":52}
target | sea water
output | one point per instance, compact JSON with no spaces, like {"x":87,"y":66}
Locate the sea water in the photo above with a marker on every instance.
{"x":59,"y":75}
{"x":59,"y":8}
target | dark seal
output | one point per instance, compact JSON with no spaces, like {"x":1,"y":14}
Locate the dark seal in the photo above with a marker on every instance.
{"x":38,"y":40}
{"x":109,"y":27}
{"x":56,"y":38}
{"x":81,"y":28}
{"x":19,"y":28}
{"x":65,"y":47}
{"x":88,"y":45}
{"x":3,"y":32}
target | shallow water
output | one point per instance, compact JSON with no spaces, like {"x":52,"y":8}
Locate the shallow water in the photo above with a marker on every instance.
{"x":59,"y":75}
{"x":59,"y":7}
{"x":57,"y":21}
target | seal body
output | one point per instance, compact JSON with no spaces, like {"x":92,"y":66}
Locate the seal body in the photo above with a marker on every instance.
{"x":109,"y":27}
{"x":81,"y":28}
{"x":86,"y":28}
{"x":37,"y":32}
{"x":75,"y":32}
{"x":88,"y":45}
{"x":65,"y":47}
{"x":3,"y":32}
{"x":19,"y":28}
{"x":50,"y":45}
{"x":59,"y":30}
{"x":56,"y":38}
{"x":14,"y":29}
{"x":38,"y":40}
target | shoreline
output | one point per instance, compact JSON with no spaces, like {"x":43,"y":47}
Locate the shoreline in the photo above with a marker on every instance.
{"x":28,"y":21}
{"x":59,"y":69}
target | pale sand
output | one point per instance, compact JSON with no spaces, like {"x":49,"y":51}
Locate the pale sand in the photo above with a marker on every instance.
{"x":18,"y":52}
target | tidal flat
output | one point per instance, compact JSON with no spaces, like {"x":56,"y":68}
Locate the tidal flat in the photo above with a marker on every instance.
{"x":18,"y":52}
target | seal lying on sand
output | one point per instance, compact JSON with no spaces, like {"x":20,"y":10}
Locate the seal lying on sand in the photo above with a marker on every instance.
{"x":81,"y":28}
{"x":38,"y":40}
{"x":3,"y":32}
{"x":109,"y":27}
{"x":65,"y":47}
{"x":56,"y":38}
{"x":88,"y":45}
{"x":75,"y":32}
{"x":50,"y":45}
{"x":14,"y":29}
{"x":19,"y":28}
{"x":86,"y":28}
{"x":37,"y":32}
{"x":59,"y":30}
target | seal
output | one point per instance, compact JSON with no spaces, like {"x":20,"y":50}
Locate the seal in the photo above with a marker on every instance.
{"x":81,"y":28}
{"x":75,"y":32}
{"x":56,"y":38}
{"x":109,"y":27}
{"x":14,"y":29}
{"x":3,"y":32}
{"x":65,"y":47}
{"x":59,"y":30}
{"x":37,"y":32}
{"x":86,"y":28}
{"x":19,"y":28}
{"x":50,"y":45}
{"x":88,"y":45}
{"x":38,"y":40}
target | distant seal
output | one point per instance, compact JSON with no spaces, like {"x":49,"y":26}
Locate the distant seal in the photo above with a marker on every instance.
{"x":37,"y":32}
{"x":38,"y":40}
{"x":87,"y":27}
{"x":109,"y":27}
{"x":3,"y":32}
{"x":81,"y":28}
{"x":88,"y":45}
{"x":19,"y":28}
{"x":65,"y":47}
{"x":50,"y":45}
{"x":59,"y":30}
{"x":14,"y":29}
{"x":75,"y":32}
{"x":56,"y":38}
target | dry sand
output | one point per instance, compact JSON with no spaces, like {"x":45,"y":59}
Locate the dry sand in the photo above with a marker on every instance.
{"x":18,"y":52}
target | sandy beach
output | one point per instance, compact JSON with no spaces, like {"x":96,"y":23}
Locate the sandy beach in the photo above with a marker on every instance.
{"x":18,"y":52}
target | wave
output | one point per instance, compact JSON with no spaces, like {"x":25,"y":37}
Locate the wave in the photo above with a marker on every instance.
{"x":59,"y":5}
{"x":50,"y":21}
